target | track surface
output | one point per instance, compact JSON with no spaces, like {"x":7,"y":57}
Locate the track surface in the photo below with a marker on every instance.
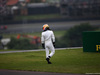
{"x":37,"y":27}
{"x":14,"y":72}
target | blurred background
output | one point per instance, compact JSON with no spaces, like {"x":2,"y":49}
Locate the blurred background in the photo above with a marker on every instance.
{"x":21,"y":22}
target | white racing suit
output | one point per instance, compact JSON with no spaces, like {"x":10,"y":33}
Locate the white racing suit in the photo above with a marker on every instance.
{"x":47,"y":39}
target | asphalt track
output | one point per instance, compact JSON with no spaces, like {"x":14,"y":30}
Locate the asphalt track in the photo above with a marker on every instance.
{"x":37,"y":27}
{"x":14,"y":72}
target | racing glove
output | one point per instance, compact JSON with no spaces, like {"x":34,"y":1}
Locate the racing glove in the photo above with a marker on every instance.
{"x":43,"y":45}
{"x":54,"y":44}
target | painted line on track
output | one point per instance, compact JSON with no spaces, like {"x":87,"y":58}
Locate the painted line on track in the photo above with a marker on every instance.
{"x":2,"y":52}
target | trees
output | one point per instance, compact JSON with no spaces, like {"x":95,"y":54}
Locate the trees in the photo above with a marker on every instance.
{"x":73,"y":37}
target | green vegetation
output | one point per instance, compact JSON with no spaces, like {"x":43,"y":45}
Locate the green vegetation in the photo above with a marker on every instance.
{"x":38,"y":17}
{"x":69,"y":38}
{"x":57,"y":34}
{"x":64,"y":61}
{"x":26,"y":43}
{"x":23,"y":44}
{"x":73,"y":36}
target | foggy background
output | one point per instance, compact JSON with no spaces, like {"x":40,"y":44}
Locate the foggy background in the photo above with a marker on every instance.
{"x":27,"y":17}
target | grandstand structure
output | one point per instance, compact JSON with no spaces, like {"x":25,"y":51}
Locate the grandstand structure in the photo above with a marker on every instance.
{"x":80,"y":8}
{"x":3,"y":10}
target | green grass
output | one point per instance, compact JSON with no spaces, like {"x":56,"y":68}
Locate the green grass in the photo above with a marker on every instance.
{"x":57,"y":34}
{"x":38,"y":17}
{"x":64,"y":61}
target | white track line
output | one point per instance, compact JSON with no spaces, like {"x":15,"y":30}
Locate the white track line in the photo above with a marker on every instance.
{"x":2,"y":52}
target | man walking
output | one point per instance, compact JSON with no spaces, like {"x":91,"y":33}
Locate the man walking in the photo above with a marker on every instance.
{"x":48,"y":42}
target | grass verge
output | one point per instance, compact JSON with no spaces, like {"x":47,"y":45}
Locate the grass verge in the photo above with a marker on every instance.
{"x":64,"y":61}
{"x":57,"y":34}
{"x":38,"y":17}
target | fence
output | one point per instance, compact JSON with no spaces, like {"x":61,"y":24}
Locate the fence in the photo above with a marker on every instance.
{"x":80,"y":8}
